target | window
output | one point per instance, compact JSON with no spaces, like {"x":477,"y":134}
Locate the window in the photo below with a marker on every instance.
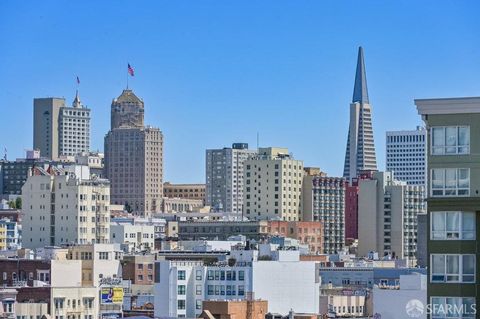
{"x":453,"y":226}
{"x":198,"y":304}
{"x":181,"y":289}
{"x":453,"y":307}
{"x":210,"y":275}
{"x":241,"y":275}
{"x":210,"y":290}
{"x":448,"y":140}
{"x":241,"y":290}
{"x":181,"y":275}
{"x":450,"y":182}
{"x":452,"y":268}
{"x":198,"y":275}
{"x":181,"y":304}
{"x":198,"y":290}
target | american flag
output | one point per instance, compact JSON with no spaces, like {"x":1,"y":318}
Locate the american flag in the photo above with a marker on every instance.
{"x":131,"y":71}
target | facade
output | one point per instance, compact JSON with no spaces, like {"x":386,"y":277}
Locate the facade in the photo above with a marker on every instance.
{"x":139,"y":269}
{"x":13,"y":174}
{"x":229,"y":309}
{"x":12,"y":228}
{"x":360,"y":153}
{"x":180,"y":205}
{"x":287,"y":283}
{"x":406,"y":156}
{"x":225,"y":177}
{"x":453,"y":176}
{"x":324,"y":202}
{"x":74,"y":129}
{"x":58,"y":129}
{"x":187,"y":191}
{"x":134,"y":157}
{"x":3,"y":236}
{"x":387,"y":216}
{"x":221,"y":230}
{"x":306,"y":232}
{"x":273,"y":186}
{"x":133,"y":238}
{"x":351,"y":205}
{"x":94,"y":160}
{"x":65,"y":207}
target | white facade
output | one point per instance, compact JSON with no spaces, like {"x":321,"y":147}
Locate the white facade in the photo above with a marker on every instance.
{"x":273,"y":186}
{"x":74,"y":129}
{"x":287,"y":283}
{"x":406,"y":155}
{"x":394,"y":302}
{"x":62,"y":207}
{"x":224,"y":177}
{"x":135,"y":237}
{"x":387,"y":216}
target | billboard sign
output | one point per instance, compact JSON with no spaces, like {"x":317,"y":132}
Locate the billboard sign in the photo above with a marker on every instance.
{"x":111,"y":295}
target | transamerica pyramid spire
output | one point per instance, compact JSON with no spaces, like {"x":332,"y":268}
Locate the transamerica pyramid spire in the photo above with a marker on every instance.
{"x":360,"y":153}
{"x":360,"y":91}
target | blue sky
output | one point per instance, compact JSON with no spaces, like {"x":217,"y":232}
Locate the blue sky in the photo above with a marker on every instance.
{"x":216,"y":72}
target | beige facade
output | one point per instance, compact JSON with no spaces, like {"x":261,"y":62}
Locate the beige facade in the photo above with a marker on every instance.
{"x":273,"y":185}
{"x":65,"y":207}
{"x":180,"y":205}
{"x":134,"y":157}
{"x":387,"y":216}
{"x":188,"y":191}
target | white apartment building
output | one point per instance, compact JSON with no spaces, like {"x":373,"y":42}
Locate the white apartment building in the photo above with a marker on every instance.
{"x":65,"y":206}
{"x":287,"y":283}
{"x":133,"y":237}
{"x":273,"y":185}
{"x":387,"y":216}
{"x":224,"y":177}
{"x":406,"y":155}
{"x":74,"y":128}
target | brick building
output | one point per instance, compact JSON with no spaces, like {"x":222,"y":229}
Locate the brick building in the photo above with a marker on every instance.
{"x":310,"y":233}
{"x":351,"y":205}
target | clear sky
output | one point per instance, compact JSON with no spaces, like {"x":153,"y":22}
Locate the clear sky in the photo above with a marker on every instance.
{"x":216,"y":72}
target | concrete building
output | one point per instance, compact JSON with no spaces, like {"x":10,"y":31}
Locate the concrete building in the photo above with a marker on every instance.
{"x":65,"y":207}
{"x":134,"y":157}
{"x":351,"y":205}
{"x":283,"y":280}
{"x":453,"y":176}
{"x":187,"y":191}
{"x":232,"y":309}
{"x":395,"y":301}
{"x":360,"y":153}
{"x":406,"y":155}
{"x":273,"y":185}
{"x":387,"y":215}
{"x":59,"y":129}
{"x":13,"y":230}
{"x":3,"y":237}
{"x":181,"y":205}
{"x":221,"y":230}
{"x":225,"y":177}
{"x":94,"y":160}
{"x":310,"y":233}
{"x":324,"y":201}
{"x":131,"y":237}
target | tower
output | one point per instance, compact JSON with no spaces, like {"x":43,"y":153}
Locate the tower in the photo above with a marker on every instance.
{"x":360,"y":153}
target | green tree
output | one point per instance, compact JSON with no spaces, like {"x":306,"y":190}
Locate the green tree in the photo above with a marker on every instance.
{"x":18,"y":203}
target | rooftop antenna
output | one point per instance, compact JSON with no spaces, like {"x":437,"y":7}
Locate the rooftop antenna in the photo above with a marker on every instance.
{"x":258,"y":140}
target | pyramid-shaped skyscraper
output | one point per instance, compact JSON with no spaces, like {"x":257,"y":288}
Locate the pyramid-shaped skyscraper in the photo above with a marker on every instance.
{"x":360,"y":154}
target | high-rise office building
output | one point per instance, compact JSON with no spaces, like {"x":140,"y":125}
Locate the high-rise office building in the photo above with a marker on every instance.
{"x":273,"y":185}
{"x":324,"y":201}
{"x":453,"y":175}
{"x":224,"y":177}
{"x":406,"y":156}
{"x":387,"y":216}
{"x":65,"y":206}
{"x":60,"y":130}
{"x":134,"y":157}
{"x":360,"y":153}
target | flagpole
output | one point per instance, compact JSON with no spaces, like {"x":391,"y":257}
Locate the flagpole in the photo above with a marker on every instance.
{"x":127,"y":78}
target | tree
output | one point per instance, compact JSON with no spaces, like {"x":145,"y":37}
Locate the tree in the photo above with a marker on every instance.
{"x":18,"y":203}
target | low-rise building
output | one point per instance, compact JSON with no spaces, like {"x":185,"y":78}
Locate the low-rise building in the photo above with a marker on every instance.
{"x":309,"y":233}
{"x":182,"y":205}
{"x":133,"y":237}
{"x":248,"y":309}
{"x":188,"y":191}
{"x":221,"y":230}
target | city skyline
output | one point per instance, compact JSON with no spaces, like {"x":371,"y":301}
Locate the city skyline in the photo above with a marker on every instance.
{"x":202,"y":85}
